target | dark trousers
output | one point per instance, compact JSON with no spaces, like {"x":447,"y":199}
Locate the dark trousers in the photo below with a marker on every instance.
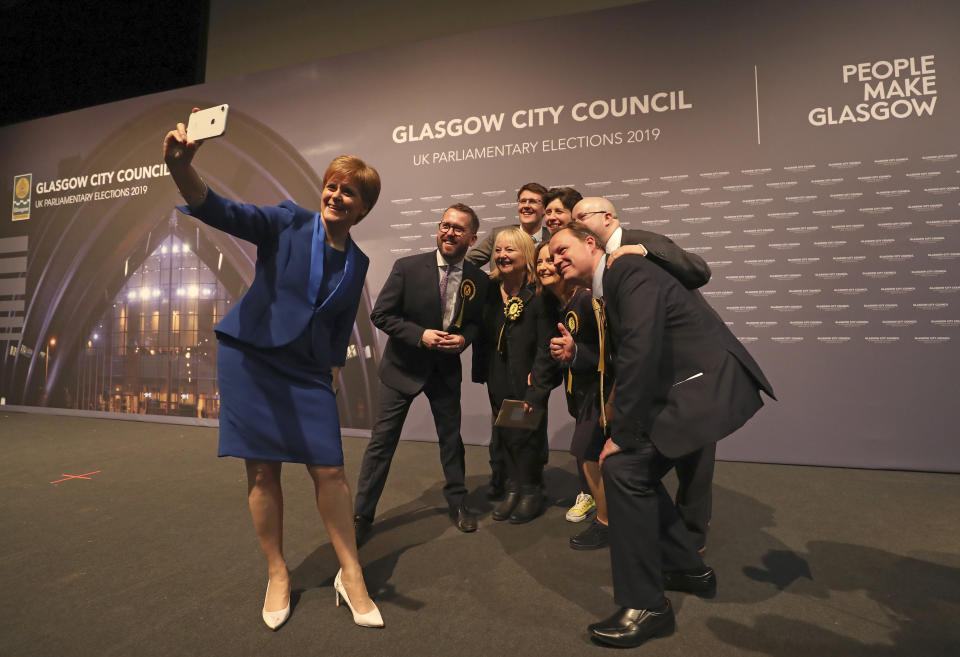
{"x":498,"y":469}
{"x":647,"y":536}
{"x":695,"y":491}
{"x":522,"y":453}
{"x":498,"y":455}
{"x":394,"y":405}
{"x":518,"y":455}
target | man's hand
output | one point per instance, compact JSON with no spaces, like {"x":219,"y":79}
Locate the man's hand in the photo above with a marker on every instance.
{"x":432,"y":339}
{"x":562,"y":349}
{"x":609,"y":448}
{"x":635,"y":249}
{"x":453,"y":342}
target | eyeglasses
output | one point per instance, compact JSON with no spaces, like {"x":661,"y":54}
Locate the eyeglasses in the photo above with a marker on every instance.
{"x":457,"y":231}
{"x":587,"y":214}
{"x":529,"y":201}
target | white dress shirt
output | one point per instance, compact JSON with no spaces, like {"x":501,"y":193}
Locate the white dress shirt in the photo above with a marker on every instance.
{"x":597,"y":286}
{"x":614,"y":242}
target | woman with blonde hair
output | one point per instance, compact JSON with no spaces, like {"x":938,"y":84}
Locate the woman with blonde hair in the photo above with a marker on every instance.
{"x":516,"y":331}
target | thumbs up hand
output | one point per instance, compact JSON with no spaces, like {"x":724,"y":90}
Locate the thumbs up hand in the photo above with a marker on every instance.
{"x":563,"y":349}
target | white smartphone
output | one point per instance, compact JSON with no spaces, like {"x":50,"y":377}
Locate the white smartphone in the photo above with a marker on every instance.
{"x":208,"y":123}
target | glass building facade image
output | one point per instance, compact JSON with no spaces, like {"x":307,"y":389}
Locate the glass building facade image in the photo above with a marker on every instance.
{"x":154,"y":349}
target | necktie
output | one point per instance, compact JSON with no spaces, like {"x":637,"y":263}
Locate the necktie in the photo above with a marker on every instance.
{"x":443,"y":290}
{"x":599,"y":313}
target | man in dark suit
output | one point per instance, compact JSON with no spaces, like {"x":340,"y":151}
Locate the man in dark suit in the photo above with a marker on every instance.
{"x":430,"y":307}
{"x":683,"y":381}
{"x":530,"y":210}
{"x":694,"y":498}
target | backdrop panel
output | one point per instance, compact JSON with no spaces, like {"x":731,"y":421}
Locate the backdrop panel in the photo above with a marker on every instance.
{"x":808,"y":153}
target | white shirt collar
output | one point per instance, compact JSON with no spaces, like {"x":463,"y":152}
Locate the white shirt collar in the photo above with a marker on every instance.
{"x":615,"y":239}
{"x":441,"y":262}
{"x":597,"y":287}
{"x":536,"y":236}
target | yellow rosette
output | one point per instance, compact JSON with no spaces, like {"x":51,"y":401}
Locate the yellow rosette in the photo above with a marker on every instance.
{"x":468,"y":290}
{"x":572,"y":322}
{"x":511,"y":310}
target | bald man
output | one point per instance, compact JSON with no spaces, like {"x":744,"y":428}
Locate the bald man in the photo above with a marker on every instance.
{"x":600,"y":216}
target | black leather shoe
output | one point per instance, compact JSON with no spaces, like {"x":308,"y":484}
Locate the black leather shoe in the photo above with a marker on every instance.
{"x":628,"y":628}
{"x":702,"y":583}
{"x":594,"y":537}
{"x":463,"y":519}
{"x":362,"y":528}
{"x":503,"y":510}
{"x":529,"y":507}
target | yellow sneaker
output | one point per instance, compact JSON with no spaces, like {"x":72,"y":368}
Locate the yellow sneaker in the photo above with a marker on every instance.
{"x":582,"y":509}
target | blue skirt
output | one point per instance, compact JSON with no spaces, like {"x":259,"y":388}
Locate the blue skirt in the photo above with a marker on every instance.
{"x":277,"y":404}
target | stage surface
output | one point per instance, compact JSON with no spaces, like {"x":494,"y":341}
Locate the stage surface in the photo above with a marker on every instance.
{"x":134,"y":539}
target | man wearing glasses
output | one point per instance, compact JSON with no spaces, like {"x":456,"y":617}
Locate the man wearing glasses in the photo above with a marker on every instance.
{"x":530,"y":209}
{"x":431,"y":308}
{"x":599,"y":215}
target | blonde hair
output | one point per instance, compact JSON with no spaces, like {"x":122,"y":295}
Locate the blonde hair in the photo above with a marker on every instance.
{"x":518,"y":239}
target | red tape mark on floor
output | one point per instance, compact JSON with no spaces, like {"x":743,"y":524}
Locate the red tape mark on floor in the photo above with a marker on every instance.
{"x":85,"y":475}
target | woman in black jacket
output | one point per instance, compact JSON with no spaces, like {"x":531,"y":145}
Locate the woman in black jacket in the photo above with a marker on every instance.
{"x":516,"y":333}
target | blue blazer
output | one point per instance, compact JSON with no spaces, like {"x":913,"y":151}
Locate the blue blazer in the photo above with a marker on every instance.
{"x":281,"y":300}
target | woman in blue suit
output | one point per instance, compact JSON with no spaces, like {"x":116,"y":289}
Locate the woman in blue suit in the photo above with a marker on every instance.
{"x":280,"y":348}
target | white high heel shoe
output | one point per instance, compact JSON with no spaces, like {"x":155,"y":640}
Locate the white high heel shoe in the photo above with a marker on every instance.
{"x":274,"y":619}
{"x":370,"y":619}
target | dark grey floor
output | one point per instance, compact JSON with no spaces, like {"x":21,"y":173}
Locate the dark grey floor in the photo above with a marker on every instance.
{"x":155,"y":555}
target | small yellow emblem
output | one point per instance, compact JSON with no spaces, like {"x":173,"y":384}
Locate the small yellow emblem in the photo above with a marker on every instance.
{"x":468,"y":290}
{"x":513,"y":308}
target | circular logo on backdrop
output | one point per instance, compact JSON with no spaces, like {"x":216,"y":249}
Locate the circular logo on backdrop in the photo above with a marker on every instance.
{"x":23,"y":188}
